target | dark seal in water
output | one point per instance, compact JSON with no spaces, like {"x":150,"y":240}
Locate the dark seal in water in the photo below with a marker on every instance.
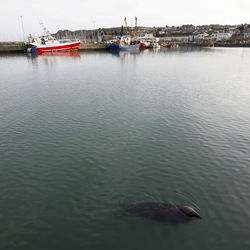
{"x":163,"y":212}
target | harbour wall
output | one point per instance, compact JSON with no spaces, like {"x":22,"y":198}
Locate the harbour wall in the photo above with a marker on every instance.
{"x":11,"y":47}
{"x":20,"y":47}
{"x":93,"y":46}
{"x":216,"y":44}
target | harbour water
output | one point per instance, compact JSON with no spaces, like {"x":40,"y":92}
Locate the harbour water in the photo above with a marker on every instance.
{"x":81,"y":132}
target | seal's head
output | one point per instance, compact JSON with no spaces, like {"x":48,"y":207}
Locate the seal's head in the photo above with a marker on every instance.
{"x":190,"y":212}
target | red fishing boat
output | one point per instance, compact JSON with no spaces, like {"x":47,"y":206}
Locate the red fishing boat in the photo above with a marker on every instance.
{"x":144,"y":45}
{"x":48,"y":43}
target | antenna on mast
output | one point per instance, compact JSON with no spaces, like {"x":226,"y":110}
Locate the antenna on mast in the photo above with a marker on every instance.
{"x":22,"y":28}
{"x":126,"y":25}
{"x":44,"y":29}
{"x":136,"y":32}
{"x":46,"y":32}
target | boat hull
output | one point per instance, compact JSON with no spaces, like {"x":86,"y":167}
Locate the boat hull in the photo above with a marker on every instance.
{"x":113,"y":47}
{"x":58,"y":48}
{"x":144,"y":46}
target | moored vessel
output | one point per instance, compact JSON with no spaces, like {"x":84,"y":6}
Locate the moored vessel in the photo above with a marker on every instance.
{"x":124,"y":44}
{"x":48,"y":43}
{"x":126,"y":41}
{"x":144,"y":45}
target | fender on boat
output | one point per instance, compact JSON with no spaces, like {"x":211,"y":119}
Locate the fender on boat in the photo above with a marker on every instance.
{"x":33,"y":49}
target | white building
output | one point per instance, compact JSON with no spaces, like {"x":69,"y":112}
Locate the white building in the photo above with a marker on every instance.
{"x":222,"y":36}
{"x":175,"y":38}
{"x":247,"y":33}
{"x":202,"y":36}
{"x":147,"y":37}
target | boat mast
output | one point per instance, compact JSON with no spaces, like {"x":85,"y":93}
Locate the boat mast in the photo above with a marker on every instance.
{"x":22,"y":28}
{"x":136,"y":36}
{"x":126,"y":25}
{"x":44,"y":29}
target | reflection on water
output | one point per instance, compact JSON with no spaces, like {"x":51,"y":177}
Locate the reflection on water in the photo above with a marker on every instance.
{"x":125,"y":54}
{"x":52,"y":58}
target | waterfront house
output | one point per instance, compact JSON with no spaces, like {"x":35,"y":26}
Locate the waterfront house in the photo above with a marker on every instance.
{"x":203,"y":36}
{"x":176,"y":38}
{"x":247,"y":33}
{"x":222,"y":36}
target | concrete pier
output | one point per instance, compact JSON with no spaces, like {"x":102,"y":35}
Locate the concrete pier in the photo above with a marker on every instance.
{"x":11,"y":47}
{"x":20,"y":47}
{"x":93,"y":46}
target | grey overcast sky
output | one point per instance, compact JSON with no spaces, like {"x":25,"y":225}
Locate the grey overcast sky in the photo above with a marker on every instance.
{"x":87,"y":14}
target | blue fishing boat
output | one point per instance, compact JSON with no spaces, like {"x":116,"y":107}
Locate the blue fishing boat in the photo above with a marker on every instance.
{"x":125,"y":41}
{"x":120,"y":45}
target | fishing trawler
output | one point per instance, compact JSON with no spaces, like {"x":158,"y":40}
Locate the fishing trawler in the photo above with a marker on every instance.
{"x":125,"y":41}
{"x":48,"y":43}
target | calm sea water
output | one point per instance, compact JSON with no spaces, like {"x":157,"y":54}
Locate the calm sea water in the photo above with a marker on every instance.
{"x":82,"y":132}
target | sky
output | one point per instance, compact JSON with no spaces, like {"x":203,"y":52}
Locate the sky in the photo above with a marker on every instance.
{"x":89,"y":14}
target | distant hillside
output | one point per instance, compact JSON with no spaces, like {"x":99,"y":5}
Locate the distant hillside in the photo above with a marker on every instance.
{"x":96,"y":35}
{"x":105,"y":34}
